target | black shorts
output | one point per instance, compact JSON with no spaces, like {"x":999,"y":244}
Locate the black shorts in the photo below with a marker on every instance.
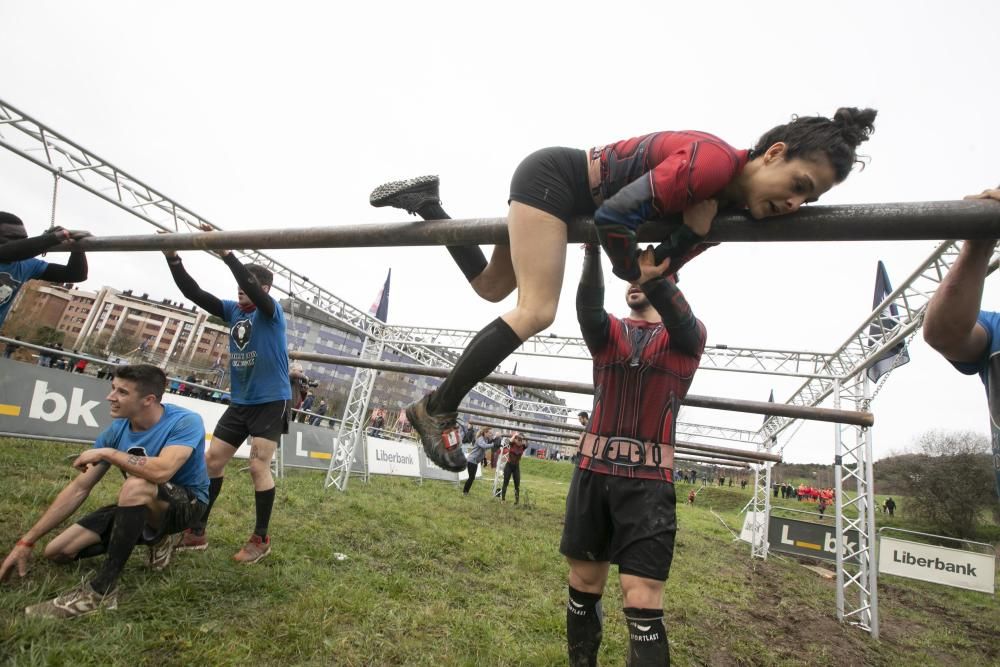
{"x":626,"y":521}
{"x":184,"y":510}
{"x":554,"y":180}
{"x":266,"y":420}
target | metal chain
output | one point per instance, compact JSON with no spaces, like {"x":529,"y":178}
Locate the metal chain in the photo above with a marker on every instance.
{"x":55,"y":192}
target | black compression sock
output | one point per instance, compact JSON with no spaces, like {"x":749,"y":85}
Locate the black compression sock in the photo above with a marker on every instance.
{"x":125,"y":535}
{"x":264,"y":502}
{"x":469,"y":258}
{"x":647,"y":638}
{"x":214,"y":489}
{"x":489,"y":347}
{"x":584,"y":627}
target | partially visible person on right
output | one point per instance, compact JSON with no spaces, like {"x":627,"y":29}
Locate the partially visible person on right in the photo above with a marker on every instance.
{"x":956,"y":326}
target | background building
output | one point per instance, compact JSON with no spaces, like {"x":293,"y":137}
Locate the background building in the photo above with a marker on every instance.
{"x":114,"y":323}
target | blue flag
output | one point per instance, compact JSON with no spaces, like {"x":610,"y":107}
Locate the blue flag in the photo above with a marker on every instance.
{"x":888,"y":321}
{"x":380,"y":308}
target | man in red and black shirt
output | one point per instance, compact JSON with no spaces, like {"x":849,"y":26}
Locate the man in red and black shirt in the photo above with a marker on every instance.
{"x":621,"y":504}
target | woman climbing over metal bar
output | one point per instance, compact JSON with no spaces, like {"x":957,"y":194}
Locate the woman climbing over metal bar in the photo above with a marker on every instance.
{"x":691,"y":174}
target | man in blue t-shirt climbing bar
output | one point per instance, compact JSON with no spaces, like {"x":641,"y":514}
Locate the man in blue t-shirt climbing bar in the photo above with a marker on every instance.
{"x":160,"y":450}
{"x":260,"y":405}
{"x":965,"y":335}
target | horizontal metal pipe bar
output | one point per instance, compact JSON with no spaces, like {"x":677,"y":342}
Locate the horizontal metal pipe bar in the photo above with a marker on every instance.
{"x":539,"y":422}
{"x":94,"y":360}
{"x":681,"y":446}
{"x":938,"y":220}
{"x":711,"y":461}
{"x":712,"y":403}
{"x":527,"y":431}
{"x":522,"y":419}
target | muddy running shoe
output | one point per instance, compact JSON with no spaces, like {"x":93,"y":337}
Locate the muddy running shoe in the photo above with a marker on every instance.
{"x":192,"y":541}
{"x":409,"y":195}
{"x":256,"y":548}
{"x":439,"y":435}
{"x":161,"y":551}
{"x":80,"y":601}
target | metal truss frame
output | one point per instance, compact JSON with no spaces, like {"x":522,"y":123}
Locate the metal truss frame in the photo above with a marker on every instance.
{"x":67,"y":160}
{"x":857,"y":584}
{"x":760,"y":506}
{"x":352,"y":426}
{"x":879,"y":333}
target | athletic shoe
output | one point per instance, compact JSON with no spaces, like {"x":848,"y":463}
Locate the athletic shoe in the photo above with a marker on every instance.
{"x":256,"y":548}
{"x":619,"y":243}
{"x":80,"y":601}
{"x":439,"y":435}
{"x":409,"y":195}
{"x":161,"y":551}
{"x":192,"y":541}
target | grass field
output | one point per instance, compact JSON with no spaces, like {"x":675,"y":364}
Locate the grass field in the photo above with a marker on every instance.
{"x":432,"y":578}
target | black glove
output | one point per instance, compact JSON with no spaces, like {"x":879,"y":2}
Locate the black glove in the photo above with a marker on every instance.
{"x":619,"y":243}
{"x":679,"y":242}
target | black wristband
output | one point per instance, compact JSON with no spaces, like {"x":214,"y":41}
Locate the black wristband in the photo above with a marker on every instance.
{"x":173,"y":261}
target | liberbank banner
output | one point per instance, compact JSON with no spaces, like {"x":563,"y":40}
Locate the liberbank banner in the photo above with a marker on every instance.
{"x":939,"y":565}
{"x":391,"y":457}
{"x":405,"y":458}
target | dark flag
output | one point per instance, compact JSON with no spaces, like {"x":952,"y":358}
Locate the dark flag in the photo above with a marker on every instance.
{"x":888,"y":320}
{"x":380,"y":308}
{"x":770,"y":399}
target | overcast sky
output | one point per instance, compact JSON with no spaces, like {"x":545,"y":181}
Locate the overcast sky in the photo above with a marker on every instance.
{"x":259,"y":115}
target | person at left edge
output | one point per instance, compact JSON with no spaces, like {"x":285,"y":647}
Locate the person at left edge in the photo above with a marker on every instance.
{"x":160,"y":450}
{"x":260,"y":406}
{"x":19,"y":261}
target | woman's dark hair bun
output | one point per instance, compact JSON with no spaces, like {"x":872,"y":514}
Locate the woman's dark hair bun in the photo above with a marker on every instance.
{"x":837,"y":138}
{"x":856,"y":125}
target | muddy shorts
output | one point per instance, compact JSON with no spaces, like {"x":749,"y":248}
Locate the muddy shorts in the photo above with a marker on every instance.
{"x":629,"y":522}
{"x":184,"y":510}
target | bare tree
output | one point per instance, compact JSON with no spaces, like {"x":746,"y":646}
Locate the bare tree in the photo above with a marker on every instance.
{"x":948,"y":481}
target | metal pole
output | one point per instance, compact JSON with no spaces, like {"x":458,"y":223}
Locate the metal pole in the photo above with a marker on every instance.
{"x":838,"y":455}
{"x":712,"y":403}
{"x":869,"y":558}
{"x":680,"y":446}
{"x":937,"y":220}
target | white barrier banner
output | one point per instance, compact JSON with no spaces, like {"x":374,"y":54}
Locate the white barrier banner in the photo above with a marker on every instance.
{"x":392,"y":457}
{"x":938,"y":565}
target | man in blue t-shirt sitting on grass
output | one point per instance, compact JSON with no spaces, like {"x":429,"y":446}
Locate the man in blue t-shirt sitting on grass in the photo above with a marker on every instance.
{"x":160,"y":450}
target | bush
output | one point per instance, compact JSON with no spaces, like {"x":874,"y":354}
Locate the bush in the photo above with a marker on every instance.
{"x":949,"y":481}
